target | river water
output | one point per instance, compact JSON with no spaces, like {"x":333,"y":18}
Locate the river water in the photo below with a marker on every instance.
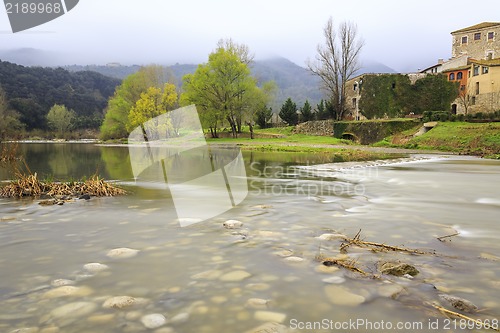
{"x":207,"y":278}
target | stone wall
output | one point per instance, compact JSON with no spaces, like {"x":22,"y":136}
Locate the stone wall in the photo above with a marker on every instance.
{"x":316,"y":127}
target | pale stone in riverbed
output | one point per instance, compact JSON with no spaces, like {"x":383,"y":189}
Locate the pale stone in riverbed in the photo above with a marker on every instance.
{"x":219,"y":299}
{"x":180,"y":318}
{"x":329,"y":237}
{"x":340,"y":296}
{"x":257,"y":303}
{"x":95,"y":267}
{"x":235,"y":276}
{"x":122,"y":253}
{"x":62,"y":282}
{"x":207,"y":275}
{"x":165,"y":330}
{"x":120,"y":302}
{"x":257,"y":286}
{"x":326,"y":269}
{"x":334,"y":280}
{"x":100,"y":319}
{"x":133,"y":315}
{"x":232,"y":224}
{"x":294,"y":259}
{"x":76,"y":309}
{"x":275,"y":317}
{"x":153,"y":320}
{"x":390,"y":290}
{"x":66,"y":291}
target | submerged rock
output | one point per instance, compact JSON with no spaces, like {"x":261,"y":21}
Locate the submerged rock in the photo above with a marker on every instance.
{"x":340,"y":296}
{"x":459,"y":303}
{"x":121,"y":302}
{"x":154,"y":320}
{"x":397,"y":269}
{"x":76,"y":309}
{"x":232,"y":224}
{"x":95,"y":267}
{"x":275,"y":317}
{"x":122,"y":253}
{"x":235,"y":276}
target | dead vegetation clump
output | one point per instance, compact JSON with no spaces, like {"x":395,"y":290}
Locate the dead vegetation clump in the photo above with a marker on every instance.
{"x":28,"y":185}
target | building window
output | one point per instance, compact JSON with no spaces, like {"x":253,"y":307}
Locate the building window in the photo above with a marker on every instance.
{"x":464,"y":39}
{"x":393,"y":85}
{"x":354,"y":103}
{"x":462,"y":87}
{"x":476,"y":70}
{"x":452,"y":76}
{"x":477,"y":88}
{"x":477,"y":36}
{"x":491,"y":35}
{"x":473,"y":100}
{"x":459,"y":75}
{"x":355,"y":86}
{"x":485,"y":69}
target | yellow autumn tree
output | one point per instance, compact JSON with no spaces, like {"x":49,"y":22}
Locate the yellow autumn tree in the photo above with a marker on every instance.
{"x":151,"y":104}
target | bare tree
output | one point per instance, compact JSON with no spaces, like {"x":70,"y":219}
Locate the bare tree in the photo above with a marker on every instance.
{"x":241,"y":50}
{"x":337,"y":61}
{"x":464,"y":98}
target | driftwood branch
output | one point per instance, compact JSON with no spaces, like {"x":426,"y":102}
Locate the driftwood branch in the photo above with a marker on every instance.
{"x":479,"y":323}
{"x":441,"y":239}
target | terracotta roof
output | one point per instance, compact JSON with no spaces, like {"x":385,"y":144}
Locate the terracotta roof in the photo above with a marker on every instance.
{"x":483,"y":25}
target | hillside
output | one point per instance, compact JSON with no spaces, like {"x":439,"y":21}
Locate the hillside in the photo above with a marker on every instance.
{"x":32,"y":91}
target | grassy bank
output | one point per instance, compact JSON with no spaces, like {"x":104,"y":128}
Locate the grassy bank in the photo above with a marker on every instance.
{"x":480,"y":139}
{"x":283,"y":139}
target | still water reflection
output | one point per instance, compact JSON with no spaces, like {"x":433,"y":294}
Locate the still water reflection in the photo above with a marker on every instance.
{"x":205,"y":278}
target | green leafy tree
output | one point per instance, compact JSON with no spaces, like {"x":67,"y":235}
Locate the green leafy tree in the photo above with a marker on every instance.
{"x":60,"y":119}
{"x":306,"y":113}
{"x":9,"y":119}
{"x":433,"y":93}
{"x":221,"y":87}
{"x":288,"y":112}
{"x":125,"y":97}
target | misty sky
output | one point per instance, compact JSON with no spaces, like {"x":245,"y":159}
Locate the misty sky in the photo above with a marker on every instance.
{"x":404,"y":35}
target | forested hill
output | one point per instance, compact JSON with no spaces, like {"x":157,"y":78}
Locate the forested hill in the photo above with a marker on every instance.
{"x":32,"y":91}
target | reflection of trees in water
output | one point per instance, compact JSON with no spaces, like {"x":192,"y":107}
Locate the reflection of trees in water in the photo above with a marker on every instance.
{"x":116,"y":162}
{"x":63,"y":161}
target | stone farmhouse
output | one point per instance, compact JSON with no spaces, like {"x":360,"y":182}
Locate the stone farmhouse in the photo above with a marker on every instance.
{"x":474,"y":64}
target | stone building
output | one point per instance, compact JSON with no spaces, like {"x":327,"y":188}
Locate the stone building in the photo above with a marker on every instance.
{"x":479,"y":86}
{"x":480,"y":41}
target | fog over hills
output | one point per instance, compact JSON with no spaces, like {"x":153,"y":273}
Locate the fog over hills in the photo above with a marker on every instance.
{"x":292,"y":80}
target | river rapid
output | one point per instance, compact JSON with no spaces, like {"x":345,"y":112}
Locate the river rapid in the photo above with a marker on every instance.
{"x":124,"y":264}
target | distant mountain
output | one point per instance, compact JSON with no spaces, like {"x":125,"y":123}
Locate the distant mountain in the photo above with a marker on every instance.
{"x":375,"y":67}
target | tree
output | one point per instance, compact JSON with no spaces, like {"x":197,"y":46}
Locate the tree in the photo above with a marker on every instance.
{"x":263,"y":117}
{"x":464,"y":98}
{"x":337,"y":61}
{"x":126,"y":95}
{"x":9,"y":119}
{"x":220,"y":88}
{"x":288,"y":112}
{"x":306,"y":112}
{"x":151,"y":104}
{"x":60,"y":119}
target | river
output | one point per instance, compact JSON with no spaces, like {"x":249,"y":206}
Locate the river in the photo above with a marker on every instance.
{"x":208,"y":278}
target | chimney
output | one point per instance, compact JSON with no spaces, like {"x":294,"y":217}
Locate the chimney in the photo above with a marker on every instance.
{"x":440,"y":61}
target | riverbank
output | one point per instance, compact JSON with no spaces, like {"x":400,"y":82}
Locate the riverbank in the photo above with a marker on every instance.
{"x":477,"y":139}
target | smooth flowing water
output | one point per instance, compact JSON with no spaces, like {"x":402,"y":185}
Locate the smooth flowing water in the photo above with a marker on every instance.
{"x":207,"y":278}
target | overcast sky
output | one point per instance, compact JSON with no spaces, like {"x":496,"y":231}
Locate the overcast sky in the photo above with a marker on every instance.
{"x":404,"y":35}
